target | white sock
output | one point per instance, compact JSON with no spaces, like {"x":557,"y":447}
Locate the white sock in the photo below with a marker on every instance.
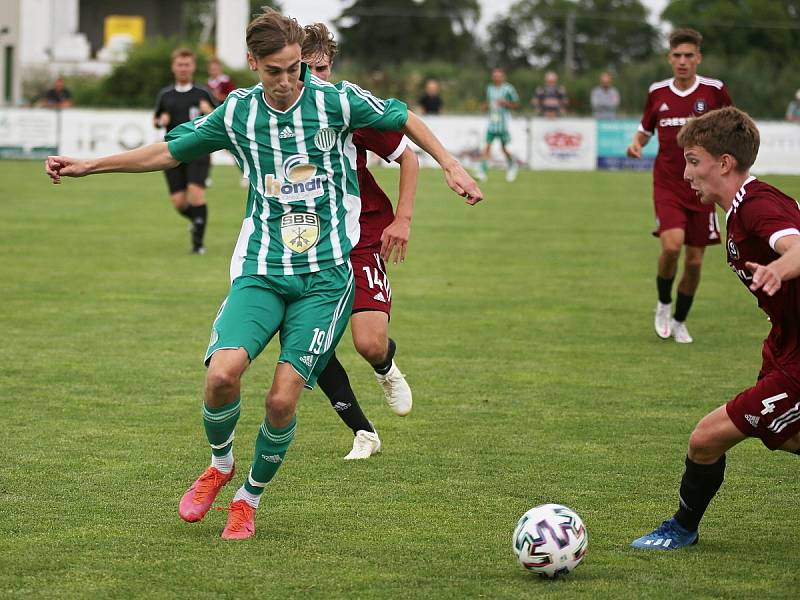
{"x":224,"y":464}
{"x":243,"y":494}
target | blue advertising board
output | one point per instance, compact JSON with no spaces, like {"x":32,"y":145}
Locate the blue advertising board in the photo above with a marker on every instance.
{"x":613,"y":139}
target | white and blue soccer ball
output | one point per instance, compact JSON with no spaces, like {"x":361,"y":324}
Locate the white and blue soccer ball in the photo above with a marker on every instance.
{"x":550,"y":540}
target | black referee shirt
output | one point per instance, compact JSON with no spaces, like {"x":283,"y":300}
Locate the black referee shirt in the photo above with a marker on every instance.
{"x":183,"y":105}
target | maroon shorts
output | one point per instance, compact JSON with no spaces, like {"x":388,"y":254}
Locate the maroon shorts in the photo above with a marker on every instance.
{"x":700,"y":228}
{"x":373,"y":291}
{"x":770,"y":410}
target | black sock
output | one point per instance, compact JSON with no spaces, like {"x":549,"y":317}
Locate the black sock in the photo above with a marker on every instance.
{"x":385,"y":366}
{"x":185,"y":212}
{"x":664,"y":289}
{"x":698,"y":486}
{"x":682,"y":306}
{"x":336,"y":385}
{"x":199,"y":219}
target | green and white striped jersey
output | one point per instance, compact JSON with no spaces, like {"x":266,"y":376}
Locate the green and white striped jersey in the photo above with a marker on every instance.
{"x":303,"y":203}
{"x":498,"y":115}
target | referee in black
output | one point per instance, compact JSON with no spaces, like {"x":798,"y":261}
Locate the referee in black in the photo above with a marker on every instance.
{"x":176,"y":104}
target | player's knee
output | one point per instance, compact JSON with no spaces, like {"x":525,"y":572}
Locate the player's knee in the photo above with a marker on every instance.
{"x":671,"y":253}
{"x":372,"y":348}
{"x":702,"y":447}
{"x":280,"y":408}
{"x":220,"y":380}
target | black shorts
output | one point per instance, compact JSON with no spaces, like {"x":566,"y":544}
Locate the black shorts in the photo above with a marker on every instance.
{"x":195,"y":172}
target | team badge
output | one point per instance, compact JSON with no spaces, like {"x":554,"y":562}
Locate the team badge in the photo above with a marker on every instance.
{"x":214,"y":337}
{"x":700,"y":106}
{"x":325,"y":139}
{"x":299,"y":231}
{"x":733,"y":251}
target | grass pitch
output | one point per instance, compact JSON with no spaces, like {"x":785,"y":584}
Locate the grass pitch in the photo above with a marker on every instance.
{"x":524,"y":326}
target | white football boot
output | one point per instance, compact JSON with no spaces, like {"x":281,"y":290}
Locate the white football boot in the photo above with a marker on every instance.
{"x":511,"y":172}
{"x":365,"y":444}
{"x":679,"y":332}
{"x":396,"y":390}
{"x":663,"y":319}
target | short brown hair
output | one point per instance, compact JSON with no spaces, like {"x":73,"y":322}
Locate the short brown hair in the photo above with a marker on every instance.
{"x":182,"y":53}
{"x":685,"y":36}
{"x":319,"y":40}
{"x":724,"y":131}
{"x":270,"y":32}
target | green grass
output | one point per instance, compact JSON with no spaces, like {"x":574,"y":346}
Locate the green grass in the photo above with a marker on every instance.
{"x":524,"y":326}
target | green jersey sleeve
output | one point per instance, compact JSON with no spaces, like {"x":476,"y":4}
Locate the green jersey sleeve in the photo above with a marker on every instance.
{"x":367,"y":110}
{"x":199,"y":137}
{"x":512,"y":94}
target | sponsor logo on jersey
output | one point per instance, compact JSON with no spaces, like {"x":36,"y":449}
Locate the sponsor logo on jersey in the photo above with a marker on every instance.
{"x":674,"y":121}
{"x":273,"y":458}
{"x":307,"y":360}
{"x":299,"y":231}
{"x":286,"y":132}
{"x":753,"y":420}
{"x":700,"y":106}
{"x":299,"y":181}
{"x":379,"y":297}
{"x":733,"y":251}
{"x":663,"y":107}
{"x":325,"y":138}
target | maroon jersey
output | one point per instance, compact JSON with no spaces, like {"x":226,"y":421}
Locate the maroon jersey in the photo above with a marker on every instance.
{"x":759,"y":217}
{"x":376,"y":208}
{"x":221,"y":86}
{"x":668,"y":109}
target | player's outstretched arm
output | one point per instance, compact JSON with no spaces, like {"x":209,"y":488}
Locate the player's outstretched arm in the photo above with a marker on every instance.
{"x":395,"y":237}
{"x":769,"y":277}
{"x":154,"y":157}
{"x":457,"y":178}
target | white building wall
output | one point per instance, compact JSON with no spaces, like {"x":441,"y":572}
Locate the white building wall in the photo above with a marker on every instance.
{"x":232,"y":19}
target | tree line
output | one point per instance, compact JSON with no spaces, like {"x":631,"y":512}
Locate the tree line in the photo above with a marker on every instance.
{"x":391,"y":46}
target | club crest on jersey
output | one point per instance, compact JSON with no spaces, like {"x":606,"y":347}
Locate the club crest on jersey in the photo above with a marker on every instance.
{"x":299,"y":181}
{"x":700,"y":106}
{"x":325,"y":138}
{"x":733,"y":251}
{"x":299,"y":231}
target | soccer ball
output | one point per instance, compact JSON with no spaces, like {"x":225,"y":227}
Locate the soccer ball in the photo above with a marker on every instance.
{"x":550,"y":540}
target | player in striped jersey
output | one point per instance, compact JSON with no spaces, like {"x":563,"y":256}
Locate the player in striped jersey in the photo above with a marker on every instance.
{"x":763,"y":245}
{"x":382,"y":233}
{"x":292,"y":136}
{"x":681,"y":219}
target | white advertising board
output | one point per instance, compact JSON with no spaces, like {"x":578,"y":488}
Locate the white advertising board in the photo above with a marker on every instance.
{"x":28,"y":133}
{"x":780,"y":148}
{"x":564,"y":144}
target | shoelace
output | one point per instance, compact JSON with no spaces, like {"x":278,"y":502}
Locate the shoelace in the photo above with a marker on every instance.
{"x":207,"y":483}
{"x":667,"y":527}
{"x":240,"y":513}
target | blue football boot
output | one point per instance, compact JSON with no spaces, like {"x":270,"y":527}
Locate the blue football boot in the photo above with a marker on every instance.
{"x":667,"y":536}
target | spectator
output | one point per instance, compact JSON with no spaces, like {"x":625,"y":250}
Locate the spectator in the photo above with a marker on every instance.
{"x":218,"y":82}
{"x":430,"y":103}
{"x":605,"y":99}
{"x":550,"y":99}
{"x":793,"y":110}
{"x":57,"y":96}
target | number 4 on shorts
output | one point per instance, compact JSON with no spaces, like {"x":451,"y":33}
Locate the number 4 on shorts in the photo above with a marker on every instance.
{"x":769,"y":403}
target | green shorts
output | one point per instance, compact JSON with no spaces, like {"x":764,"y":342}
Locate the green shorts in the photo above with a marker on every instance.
{"x":310,"y":310}
{"x":503,"y":136}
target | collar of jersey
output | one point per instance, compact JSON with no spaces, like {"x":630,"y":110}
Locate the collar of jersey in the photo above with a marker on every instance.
{"x":737,"y":200}
{"x":684,"y":93}
{"x":184,"y":88}
{"x":282,"y":112}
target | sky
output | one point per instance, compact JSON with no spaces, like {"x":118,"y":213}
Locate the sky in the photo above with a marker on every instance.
{"x":309,"y":11}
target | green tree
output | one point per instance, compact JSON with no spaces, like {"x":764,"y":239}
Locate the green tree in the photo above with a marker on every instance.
{"x":605,"y":33}
{"x":378,"y":33}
